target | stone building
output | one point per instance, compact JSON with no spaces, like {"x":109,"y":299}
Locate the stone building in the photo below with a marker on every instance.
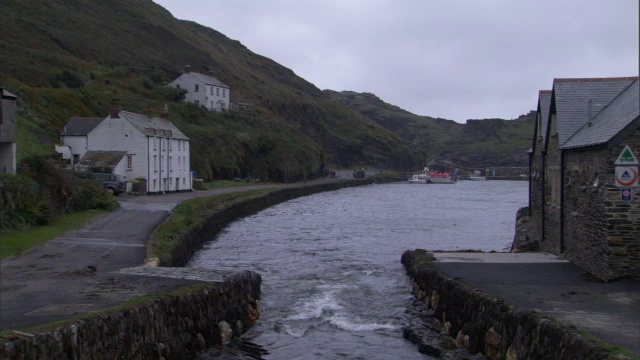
{"x":8,"y":132}
{"x":580,"y":209}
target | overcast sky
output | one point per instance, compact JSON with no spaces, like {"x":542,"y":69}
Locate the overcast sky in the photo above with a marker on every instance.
{"x":454,"y":59}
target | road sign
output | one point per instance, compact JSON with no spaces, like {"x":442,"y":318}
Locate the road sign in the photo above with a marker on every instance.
{"x":626,"y":176}
{"x":626,"y":194}
{"x":627,"y":157}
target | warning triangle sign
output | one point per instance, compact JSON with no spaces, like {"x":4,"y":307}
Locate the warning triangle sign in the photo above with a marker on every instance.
{"x":626,"y":157}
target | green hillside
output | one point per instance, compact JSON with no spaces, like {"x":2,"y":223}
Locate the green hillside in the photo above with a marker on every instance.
{"x":67,"y":58}
{"x":478,"y":143}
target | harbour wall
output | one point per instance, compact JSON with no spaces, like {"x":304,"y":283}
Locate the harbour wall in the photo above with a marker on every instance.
{"x":190,"y":243}
{"x":486,"y":324}
{"x":173,"y":326}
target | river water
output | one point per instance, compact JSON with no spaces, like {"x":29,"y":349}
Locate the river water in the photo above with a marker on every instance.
{"x":333,"y":285}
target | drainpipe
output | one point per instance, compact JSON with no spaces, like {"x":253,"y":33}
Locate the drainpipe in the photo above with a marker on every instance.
{"x":148,"y":163}
{"x":530,"y":164}
{"x":543,"y":206}
{"x":562,"y":161}
{"x":160,"y":164}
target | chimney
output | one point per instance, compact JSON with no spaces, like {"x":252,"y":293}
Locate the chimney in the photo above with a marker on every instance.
{"x":165,"y":112}
{"x":187,"y":69}
{"x":115,"y":108}
{"x":210,"y":72}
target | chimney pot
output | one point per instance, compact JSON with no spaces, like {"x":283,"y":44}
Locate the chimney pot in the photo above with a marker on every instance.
{"x":187,"y":69}
{"x":116,"y":107}
{"x":210,"y":72}
{"x":165,"y":112}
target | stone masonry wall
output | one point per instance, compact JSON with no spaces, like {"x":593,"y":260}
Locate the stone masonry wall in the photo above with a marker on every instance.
{"x":602,"y":233}
{"x":169,"y":327}
{"x":194,"y":241}
{"x":624,"y":223}
{"x":551,"y":242}
{"x":485,"y":324}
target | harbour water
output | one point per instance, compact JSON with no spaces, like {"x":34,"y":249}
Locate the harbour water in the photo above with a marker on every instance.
{"x":333,"y":285}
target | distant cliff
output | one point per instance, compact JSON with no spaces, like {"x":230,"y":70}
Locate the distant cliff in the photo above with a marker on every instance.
{"x":478,"y":143}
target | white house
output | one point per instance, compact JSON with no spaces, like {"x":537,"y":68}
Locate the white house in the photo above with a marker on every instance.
{"x":8,"y":132}
{"x":138,"y":146}
{"x":203,"y":89}
{"x":74,"y":136}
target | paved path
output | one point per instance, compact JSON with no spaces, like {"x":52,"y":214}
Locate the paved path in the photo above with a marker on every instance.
{"x":553,"y":286}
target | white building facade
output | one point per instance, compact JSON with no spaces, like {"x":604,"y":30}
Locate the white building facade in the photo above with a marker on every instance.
{"x":204,"y":90}
{"x":155,"y":149}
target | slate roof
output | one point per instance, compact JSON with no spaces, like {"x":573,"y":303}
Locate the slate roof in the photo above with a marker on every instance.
{"x":7,"y":94}
{"x":572,"y":97}
{"x":80,"y":126}
{"x":619,"y":113}
{"x":103,"y":159}
{"x":207,"y":79}
{"x":152,"y":126}
{"x":544,"y":102}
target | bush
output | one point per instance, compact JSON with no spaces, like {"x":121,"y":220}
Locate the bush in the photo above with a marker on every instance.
{"x":20,"y":202}
{"x":90,"y":194}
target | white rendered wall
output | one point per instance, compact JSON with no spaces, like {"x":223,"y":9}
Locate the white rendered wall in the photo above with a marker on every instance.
{"x":117,"y":134}
{"x":207,"y":95}
{"x":78,"y":144}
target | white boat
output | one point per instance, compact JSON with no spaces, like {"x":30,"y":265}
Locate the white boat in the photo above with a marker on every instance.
{"x":477,"y":176}
{"x":416,"y":179}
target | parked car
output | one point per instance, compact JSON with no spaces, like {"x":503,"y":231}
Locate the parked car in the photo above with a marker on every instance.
{"x":115,"y":184}
{"x":358,"y":174}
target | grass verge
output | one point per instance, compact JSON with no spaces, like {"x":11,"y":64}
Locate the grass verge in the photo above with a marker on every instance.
{"x":218,"y":184}
{"x":16,"y":242}
{"x":189,"y":216}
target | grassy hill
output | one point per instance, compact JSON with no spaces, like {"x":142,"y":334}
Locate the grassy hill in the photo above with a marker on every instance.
{"x":68,"y":58}
{"x":478,"y":143}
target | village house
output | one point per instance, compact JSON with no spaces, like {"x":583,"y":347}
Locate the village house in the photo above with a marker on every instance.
{"x":8,"y":132}
{"x":134,"y":146}
{"x":583,"y":192}
{"x":203,"y":89}
{"x":75,"y":137}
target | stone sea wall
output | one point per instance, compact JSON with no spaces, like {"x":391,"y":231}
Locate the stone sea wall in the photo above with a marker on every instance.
{"x":485,"y":324}
{"x":174,"y":326}
{"x":191,"y":243}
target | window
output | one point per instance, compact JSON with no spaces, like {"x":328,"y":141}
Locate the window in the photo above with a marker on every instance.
{"x":224,"y":92}
{"x":129,"y":162}
{"x":217,"y":91}
{"x":169,"y":165}
{"x":155,"y":164}
{"x":212,"y":90}
{"x":197,"y":88}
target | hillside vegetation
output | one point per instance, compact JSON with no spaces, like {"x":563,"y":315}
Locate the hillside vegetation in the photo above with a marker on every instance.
{"x":67,"y":58}
{"x":478,"y":143}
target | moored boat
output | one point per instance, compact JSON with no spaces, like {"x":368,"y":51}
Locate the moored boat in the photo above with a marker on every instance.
{"x":440,"y":178}
{"x":416,"y":179}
